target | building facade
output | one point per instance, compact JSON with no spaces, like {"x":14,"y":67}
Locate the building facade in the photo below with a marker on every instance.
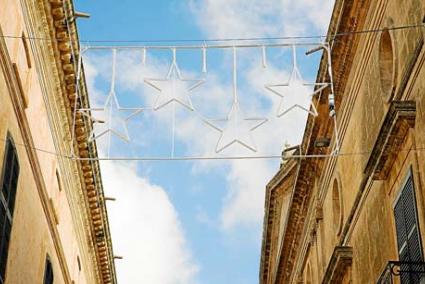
{"x":53,"y":220}
{"x":359,"y":216}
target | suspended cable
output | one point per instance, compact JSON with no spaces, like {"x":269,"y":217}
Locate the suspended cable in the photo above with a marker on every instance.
{"x":330,"y":38}
{"x":194,"y":158}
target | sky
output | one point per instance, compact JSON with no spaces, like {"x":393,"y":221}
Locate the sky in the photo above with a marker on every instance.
{"x":193,"y":221}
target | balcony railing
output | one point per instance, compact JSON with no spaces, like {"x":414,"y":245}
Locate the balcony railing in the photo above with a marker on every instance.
{"x":403,"y":272}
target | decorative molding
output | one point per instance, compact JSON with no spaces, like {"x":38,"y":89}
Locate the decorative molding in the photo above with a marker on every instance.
{"x":18,"y":105}
{"x":45,"y":55}
{"x":21,"y":88}
{"x":339,"y":264}
{"x":66,"y":44}
{"x":399,"y":119}
{"x":274,"y":187}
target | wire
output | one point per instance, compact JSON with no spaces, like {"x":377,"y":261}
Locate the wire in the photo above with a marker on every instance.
{"x":194,"y":158}
{"x":51,"y":152}
{"x":332,"y":37}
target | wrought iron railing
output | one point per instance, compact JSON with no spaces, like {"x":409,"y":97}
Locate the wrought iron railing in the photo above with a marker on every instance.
{"x":403,"y":272}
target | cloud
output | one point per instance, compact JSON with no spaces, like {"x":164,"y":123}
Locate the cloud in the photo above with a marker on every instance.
{"x":146,"y":230}
{"x":246,"y":179}
{"x":253,"y":18}
{"x":145,"y":226}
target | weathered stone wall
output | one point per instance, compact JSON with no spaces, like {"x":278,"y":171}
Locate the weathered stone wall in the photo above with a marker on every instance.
{"x":371,"y":233}
{"x":347,"y":231}
{"x":45,"y":221}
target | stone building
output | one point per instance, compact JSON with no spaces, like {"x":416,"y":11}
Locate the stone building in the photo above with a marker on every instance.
{"x":358,"y":217}
{"x":53,"y":220}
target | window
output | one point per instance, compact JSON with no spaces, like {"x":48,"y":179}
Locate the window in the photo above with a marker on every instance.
{"x":408,"y":234}
{"x":48,"y":272}
{"x":9,"y":182}
{"x":386,"y":64}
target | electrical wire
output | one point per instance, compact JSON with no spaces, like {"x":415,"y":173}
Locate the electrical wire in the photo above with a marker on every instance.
{"x":331,"y":37}
{"x":194,"y":158}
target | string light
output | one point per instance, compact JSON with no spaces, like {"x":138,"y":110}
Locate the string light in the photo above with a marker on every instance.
{"x":236,"y":128}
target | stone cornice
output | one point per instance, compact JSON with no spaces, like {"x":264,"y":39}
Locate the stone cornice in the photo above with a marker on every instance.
{"x":399,"y":119}
{"x":285,"y":173}
{"x":65,"y":42}
{"x":340,"y":262}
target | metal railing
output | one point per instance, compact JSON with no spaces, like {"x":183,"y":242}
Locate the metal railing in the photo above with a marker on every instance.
{"x":403,"y":272}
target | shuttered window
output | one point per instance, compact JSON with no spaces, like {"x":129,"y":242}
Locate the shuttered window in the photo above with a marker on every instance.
{"x":9,"y":182}
{"x":408,"y":234}
{"x":48,"y":272}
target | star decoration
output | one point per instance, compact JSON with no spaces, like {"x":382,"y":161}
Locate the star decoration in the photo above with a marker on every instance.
{"x":296,"y":87}
{"x":174,"y":88}
{"x":238,"y":129}
{"x":113,"y":122}
{"x":297,"y":93}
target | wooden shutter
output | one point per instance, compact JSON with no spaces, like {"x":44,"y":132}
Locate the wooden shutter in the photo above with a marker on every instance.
{"x":48,"y":272}
{"x":9,"y":182}
{"x":408,"y":234}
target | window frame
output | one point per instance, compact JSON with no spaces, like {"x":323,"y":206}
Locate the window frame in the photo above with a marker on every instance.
{"x":48,"y":271}
{"x":409,"y":176}
{"x":6,"y":205}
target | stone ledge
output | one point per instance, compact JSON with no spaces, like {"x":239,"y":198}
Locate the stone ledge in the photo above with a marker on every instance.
{"x":399,"y":119}
{"x":341,"y":260}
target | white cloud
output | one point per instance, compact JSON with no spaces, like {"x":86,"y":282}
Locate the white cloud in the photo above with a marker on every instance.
{"x":246,"y":179}
{"x":259,"y":18}
{"x":146,"y":230}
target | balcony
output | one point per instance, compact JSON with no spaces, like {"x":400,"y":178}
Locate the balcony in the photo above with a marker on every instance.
{"x":403,"y":272}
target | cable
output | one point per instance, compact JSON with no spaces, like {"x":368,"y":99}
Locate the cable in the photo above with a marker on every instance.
{"x":332,"y":37}
{"x":36,"y":148}
{"x":194,"y":158}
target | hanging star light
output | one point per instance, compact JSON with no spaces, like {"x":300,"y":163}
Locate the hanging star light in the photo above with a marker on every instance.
{"x":174,"y":88}
{"x":297,"y":91}
{"x":238,"y":129}
{"x":112,"y":121}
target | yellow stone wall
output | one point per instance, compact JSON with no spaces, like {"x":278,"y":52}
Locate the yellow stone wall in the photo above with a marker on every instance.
{"x":49,"y":218}
{"x":366,"y":221}
{"x":372,"y":232}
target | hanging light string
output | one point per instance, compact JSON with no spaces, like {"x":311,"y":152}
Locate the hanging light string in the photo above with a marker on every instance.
{"x":204,"y":46}
{"x":318,"y":37}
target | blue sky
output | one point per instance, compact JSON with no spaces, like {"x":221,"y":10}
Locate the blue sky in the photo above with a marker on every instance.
{"x":192,"y":221}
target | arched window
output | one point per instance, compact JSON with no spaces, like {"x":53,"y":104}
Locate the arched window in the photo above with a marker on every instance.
{"x":8,"y":184}
{"x":386,"y":65}
{"x":337,"y":210}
